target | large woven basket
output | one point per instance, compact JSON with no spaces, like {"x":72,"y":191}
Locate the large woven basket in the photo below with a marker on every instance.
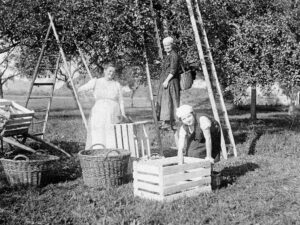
{"x":26,"y":171}
{"x":104,"y":167}
{"x":186,"y":80}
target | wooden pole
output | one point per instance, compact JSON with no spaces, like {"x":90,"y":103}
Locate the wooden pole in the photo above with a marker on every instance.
{"x":152,"y":102}
{"x":68,"y":72}
{"x":157,"y":36}
{"x":253,"y":103}
{"x":214,"y":72}
{"x":84,"y":61}
{"x":205,"y":72}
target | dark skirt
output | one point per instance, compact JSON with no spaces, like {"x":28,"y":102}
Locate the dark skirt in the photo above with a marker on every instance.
{"x":168,"y":101}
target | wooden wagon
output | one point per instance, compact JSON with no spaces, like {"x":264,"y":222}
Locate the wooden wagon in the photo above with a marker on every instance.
{"x":15,"y":121}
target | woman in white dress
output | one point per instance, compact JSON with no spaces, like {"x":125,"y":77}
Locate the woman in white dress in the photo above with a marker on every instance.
{"x":107,"y":110}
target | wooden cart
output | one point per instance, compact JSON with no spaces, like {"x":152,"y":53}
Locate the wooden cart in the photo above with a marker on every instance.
{"x":14,"y":126}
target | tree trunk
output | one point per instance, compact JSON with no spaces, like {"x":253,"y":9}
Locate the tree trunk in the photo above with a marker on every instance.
{"x":1,"y":91}
{"x":253,"y":103}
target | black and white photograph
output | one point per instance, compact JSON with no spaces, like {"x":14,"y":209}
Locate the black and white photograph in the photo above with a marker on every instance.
{"x":149,"y":112}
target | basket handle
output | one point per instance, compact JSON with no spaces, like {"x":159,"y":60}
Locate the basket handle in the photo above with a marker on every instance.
{"x":102,"y":145}
{"x":113,"y":150}
{"x":21,"y":156}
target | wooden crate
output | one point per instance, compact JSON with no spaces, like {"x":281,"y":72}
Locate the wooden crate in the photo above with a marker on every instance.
{"x":164,"y":179}
{"x":132,"y":137}
{"x":19,"y":118}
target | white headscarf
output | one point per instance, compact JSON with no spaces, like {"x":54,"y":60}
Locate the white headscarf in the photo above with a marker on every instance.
{"x":184,"y":110}
{"x":168,"y":41}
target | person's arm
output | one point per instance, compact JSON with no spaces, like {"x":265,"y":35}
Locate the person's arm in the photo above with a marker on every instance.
{"x":181,"y":142}
{"x":121,"y":100}
{"x":205,"y":125}
{"x":87,"y":86}
{"x":173,"y":69}
{"x":166,"y":82}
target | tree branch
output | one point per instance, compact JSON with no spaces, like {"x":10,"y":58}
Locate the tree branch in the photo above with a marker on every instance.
{"x":7,"y":49}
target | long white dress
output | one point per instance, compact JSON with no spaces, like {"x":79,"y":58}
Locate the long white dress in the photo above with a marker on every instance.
{"x":105,"y":112}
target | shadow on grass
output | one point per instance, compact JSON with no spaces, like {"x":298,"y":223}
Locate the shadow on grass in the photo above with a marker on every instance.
{"x":230,"y":174}
{"x":253,"y":143}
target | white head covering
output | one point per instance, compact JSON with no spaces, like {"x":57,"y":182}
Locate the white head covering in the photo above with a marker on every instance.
{"x":184,"y":110}
{"x":168,"y":41}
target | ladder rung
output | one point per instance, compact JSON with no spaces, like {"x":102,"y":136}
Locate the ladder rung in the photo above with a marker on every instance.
{"x":38,"y":122}
{"x":43,"y":83}
{"x":40,"y":97}
{"x":41,"y":110}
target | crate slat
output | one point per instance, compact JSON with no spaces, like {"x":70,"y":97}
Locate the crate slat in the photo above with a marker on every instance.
{"x":179,"y":168}
{"x":19,"y":121}
{"x":21,"y":115}
{"x":131,"y":140}
{"x":13,"y":126}
{"x":147,"y":195}
{"x":178,"y":177}
{"x":186,"y":185}
{"x":148,"y":187}
{"x":146,"y":177}
{"x":14,"y":132}
{"x":125,"y":136}
{"x":119,"y":137}
{"x":163,"y":162}
{"x":189,"y":193}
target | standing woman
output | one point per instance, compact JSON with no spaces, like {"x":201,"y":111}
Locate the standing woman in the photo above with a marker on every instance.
{"x":107,"y":110}
{"x":168,"y":96}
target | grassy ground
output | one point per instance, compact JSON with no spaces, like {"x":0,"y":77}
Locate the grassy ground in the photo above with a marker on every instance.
{"x":260,"y":186}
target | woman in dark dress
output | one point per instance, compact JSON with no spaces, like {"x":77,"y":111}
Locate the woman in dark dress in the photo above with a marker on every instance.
{"x":199,"y":136}
{"x":168,"y":93}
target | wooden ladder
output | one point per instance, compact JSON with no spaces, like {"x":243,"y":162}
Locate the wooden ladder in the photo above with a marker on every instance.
{"x":44,"y":101}
{"x":208,"y":57}
{"x":39,"y":123}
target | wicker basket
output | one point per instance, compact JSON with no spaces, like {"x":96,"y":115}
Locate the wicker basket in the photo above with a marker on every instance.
{"x":104,"y":167}
{"x":26,"y":171}
{"x":186,"y":79}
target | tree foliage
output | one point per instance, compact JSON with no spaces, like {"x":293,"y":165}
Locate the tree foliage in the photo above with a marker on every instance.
{"x":252,"y":41}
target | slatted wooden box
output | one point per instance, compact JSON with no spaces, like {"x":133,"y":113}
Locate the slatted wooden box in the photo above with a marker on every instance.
{"x":164,"y":179}
{"x":132,"y":137}
{"x":18,"y":118}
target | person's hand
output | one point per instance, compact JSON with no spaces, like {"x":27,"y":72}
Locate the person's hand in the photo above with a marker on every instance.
{"x":210,"y":159}
{"x":165,"y":84}
{"x":126,"y":119}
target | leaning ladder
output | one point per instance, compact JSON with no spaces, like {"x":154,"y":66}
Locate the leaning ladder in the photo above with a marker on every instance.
{"x":41,"y":121}
{"x":207,"y":78}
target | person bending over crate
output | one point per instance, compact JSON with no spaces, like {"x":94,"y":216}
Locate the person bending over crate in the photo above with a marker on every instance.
{"x":199,"y":136}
